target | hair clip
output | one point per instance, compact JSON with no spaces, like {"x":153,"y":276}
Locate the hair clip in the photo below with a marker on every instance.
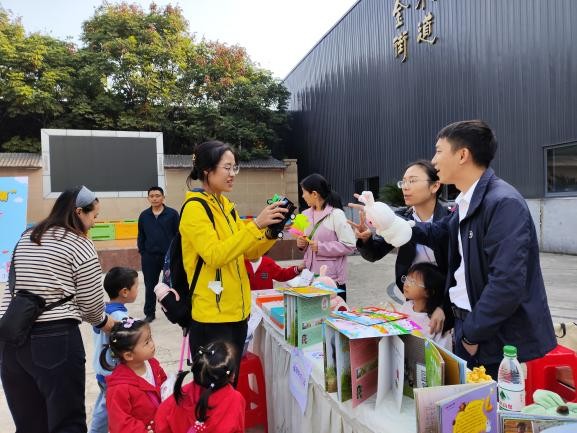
{"x":212,"y":385}
{"x":193,"y":158}
{"x":128,"y":322}
{"x":228,"y":372}
{"x":212,"y":352}
{"x":114,"y":340}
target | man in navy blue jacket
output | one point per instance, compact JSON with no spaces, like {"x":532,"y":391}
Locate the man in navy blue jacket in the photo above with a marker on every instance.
{"x":494,"y":285}
{"x":157,"y":225}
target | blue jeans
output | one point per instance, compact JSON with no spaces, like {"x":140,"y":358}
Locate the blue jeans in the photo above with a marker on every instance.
{"x":99,"y":422}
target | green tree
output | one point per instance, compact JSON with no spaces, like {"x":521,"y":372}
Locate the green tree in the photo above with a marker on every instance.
{"x":35,"y":82}
{"x":144,"y":71}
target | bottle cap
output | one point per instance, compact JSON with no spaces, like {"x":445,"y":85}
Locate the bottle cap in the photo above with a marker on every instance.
{"x":510,"y":351}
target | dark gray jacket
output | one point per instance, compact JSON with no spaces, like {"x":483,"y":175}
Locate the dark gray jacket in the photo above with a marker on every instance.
{"x":502,"y":273}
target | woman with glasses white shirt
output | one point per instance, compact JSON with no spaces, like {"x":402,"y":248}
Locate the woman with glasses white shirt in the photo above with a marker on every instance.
{"x":421,"y":188}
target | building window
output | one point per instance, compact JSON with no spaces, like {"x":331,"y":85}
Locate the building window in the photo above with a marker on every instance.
{"x":368,"y":184}
{"x":561,"y":170}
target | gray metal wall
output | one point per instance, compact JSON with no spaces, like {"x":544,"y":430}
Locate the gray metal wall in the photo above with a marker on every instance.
{"x":360,"y":112}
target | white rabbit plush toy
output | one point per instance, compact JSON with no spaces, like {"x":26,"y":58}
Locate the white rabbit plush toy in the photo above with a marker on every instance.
{"x":394,"y":229}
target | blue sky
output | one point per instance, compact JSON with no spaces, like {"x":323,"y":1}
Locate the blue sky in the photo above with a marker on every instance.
{"x":277,"y":34}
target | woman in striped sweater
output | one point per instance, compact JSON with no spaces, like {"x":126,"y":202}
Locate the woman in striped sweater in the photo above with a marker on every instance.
{"x":44,"y":379}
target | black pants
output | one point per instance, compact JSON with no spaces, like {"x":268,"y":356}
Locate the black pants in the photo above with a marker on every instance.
{"x":151,"y":267}
{"x":200,"y":334}
{"x":44,"y":380}
{"x":343,"y":294}
{"x":472,"y":361}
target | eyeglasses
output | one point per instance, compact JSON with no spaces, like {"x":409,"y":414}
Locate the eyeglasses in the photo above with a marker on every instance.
{"x":232,"y":169}
{"x":410,"y":182}
{"x":411,"y":282}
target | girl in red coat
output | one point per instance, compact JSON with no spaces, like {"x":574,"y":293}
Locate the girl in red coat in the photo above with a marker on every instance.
{"x":133,"y":388}
{"x":209,"y":404}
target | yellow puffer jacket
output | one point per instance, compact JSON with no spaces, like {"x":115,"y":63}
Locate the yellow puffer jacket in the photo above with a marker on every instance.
{"x":223,"y":249}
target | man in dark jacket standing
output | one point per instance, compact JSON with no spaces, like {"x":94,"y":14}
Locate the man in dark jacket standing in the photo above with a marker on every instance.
{"x":495,"y":286}
{"x":157,"y":225}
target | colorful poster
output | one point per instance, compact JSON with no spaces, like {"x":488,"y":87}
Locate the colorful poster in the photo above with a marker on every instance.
{"x":13,"y":207}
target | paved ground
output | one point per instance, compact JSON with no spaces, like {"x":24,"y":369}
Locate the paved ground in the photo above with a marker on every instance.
{"x":367,"y":286}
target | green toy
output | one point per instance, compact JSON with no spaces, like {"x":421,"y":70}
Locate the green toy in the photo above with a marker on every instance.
{"x":550,"y":403}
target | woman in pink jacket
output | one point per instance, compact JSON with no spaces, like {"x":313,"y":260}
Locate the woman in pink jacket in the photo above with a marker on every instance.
{"x":329,"y":238}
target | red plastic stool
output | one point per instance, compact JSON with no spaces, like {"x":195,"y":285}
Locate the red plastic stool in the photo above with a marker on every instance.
{"x":255,"y":398}
{"x":542,"y":374}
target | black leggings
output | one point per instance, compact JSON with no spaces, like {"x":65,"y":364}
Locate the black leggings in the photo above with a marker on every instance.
{"x":44,"y":380}
{"x":201,"y":334}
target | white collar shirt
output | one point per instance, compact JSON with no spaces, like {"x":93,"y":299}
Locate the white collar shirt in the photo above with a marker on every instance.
{"x":458,"y":293}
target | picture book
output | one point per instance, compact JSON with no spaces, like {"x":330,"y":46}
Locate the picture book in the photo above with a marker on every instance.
{"x":330,"y":358}
{"x":473,"y":410}
{"x":515,"y":422}
{"x":391,"y":370}
{"x":434,"y":365}
{"x":369,"y":315}
{"x":364,"y":359}
{"x":415,"y":364}
{"x":304,"y":318}
{"x":355,"y":330}
{"x":309,"y":291}
{"x":460,"y":408}
{"x":344,"y":383}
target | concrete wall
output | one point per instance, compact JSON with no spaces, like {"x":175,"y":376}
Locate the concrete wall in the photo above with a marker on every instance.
{"x":556,"y":223}
{"x":251,"y":190}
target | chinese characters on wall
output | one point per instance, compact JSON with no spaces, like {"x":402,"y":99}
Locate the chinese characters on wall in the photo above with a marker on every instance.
{"x":425,"y":27}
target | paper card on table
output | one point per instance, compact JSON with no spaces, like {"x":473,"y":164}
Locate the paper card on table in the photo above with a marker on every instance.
{"x":369,"y":315}
{"x":342,"y":349}
{"x":364,"y":368}
{"x":330,"y":359}
{"x":299,"y":375}
{"x":391,"y":370}
{"x":471,"y":410}
{"x":426,"y":404}
{"x":253,"y":322}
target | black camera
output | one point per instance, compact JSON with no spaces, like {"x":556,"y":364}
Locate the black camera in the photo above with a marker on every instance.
{"x":275,"y":231}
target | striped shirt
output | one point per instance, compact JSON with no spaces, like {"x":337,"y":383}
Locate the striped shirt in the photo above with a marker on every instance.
{"x":64,"y":264}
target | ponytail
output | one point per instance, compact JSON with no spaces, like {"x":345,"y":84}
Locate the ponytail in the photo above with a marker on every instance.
{"x":334,"y":200}
{"x":316,"y":182}
{"x":177,"y":391}
{"x":102,"y":358}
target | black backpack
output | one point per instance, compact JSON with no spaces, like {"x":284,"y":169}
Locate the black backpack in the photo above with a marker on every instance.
{"x":174,"y":275}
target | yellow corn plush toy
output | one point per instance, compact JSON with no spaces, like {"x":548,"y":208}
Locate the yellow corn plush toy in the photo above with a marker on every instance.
{"x":478,"y":375}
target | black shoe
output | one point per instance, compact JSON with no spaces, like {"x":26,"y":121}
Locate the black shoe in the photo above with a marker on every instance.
{"x":150,"y":318}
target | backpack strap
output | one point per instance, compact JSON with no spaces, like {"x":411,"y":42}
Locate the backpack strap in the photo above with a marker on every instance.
{"x":200,"y":260}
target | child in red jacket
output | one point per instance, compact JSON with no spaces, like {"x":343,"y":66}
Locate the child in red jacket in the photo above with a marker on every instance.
{"x":209,"y":404}
{"x":133,"y":388}
{"x":263,"y":270}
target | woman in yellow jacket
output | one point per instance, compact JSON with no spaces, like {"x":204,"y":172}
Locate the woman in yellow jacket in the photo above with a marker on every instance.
{"x":221,"y":299}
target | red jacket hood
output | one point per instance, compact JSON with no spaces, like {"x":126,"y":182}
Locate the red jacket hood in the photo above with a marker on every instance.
{"x":123,"y":375}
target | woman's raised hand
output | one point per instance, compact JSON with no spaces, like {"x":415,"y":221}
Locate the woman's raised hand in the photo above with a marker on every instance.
{"x":273,"y":213}
{"x":361,"y":229}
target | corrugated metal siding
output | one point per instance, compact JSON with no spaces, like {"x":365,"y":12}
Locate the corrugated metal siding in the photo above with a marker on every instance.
{"x":359,"y":112}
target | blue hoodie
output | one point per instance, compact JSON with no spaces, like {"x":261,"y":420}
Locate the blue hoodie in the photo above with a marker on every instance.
{"x":117,"y":311}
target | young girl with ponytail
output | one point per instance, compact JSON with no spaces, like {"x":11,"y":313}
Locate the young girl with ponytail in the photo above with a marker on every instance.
{"x":133,"y":388}
{"x":208,"y":404}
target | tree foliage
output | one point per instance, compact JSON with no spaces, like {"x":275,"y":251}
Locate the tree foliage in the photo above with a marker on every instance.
{"x":137,"y":70}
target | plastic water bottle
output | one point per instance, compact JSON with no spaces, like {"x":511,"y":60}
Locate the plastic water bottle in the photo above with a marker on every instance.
{"x":511,"y":383}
